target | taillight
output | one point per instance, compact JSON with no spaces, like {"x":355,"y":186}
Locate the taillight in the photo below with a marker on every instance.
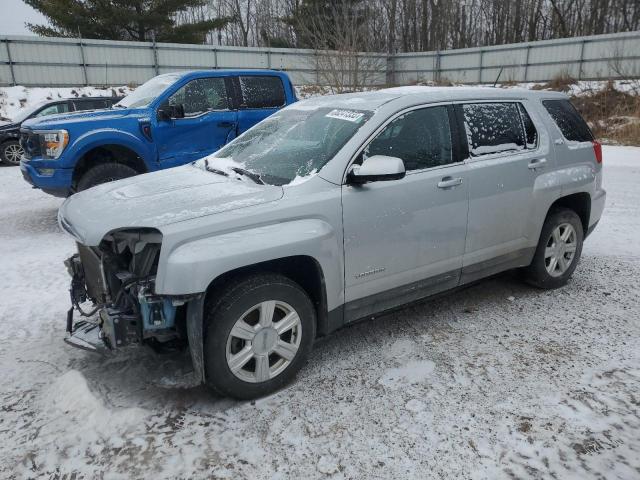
{"x":597,"y":149}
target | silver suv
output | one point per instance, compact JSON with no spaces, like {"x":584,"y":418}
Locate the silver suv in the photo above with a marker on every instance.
{"x":329,"y":211}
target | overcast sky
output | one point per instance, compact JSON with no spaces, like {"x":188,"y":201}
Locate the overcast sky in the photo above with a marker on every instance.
{"x":14,"y":14}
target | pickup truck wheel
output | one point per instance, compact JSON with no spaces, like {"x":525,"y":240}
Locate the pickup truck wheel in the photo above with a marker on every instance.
{"x":558,"y":250}
{"x":11,"y":152}
{"x":103,"y":173}
{"x":258,"y":333}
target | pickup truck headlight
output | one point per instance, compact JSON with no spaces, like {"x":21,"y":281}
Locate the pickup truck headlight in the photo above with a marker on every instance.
{"x":53,"y":143}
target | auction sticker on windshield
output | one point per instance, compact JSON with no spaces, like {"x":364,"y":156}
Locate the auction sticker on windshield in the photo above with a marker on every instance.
{"x":349,"y":115}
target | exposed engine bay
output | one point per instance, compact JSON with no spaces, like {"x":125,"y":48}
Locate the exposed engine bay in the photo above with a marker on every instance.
{"x":117,"y":279}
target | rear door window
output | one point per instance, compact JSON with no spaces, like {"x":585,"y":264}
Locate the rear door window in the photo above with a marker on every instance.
{"x":421,"y":138}
{"x":530,"y":132}
{"x":498,"y":127}
{"x":568,"y":120}
{"x":201,"y":95}
{"x":90,"y":104}
{"x":261,"y":92}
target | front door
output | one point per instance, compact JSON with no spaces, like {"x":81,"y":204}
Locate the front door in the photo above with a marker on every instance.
{"x":404,"y":239}
{"x":505,"y":160}
{"x":207,"y":124}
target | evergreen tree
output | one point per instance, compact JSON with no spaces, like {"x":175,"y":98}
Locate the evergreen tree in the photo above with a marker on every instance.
{"x":322,"y":23}
{"x":137,"y":20}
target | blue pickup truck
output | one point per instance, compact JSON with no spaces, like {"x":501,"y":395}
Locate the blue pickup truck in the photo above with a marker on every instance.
{"x":170,"y":120}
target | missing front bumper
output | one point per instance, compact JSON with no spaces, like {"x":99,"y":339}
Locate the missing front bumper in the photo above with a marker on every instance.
{"x":86,"y":335}
{"x":110,"y":330}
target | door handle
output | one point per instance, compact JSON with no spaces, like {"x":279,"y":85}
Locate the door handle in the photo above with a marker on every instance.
{"x":537,"y":163}
{"x":449,"y":182}
{"x":226,"y":124}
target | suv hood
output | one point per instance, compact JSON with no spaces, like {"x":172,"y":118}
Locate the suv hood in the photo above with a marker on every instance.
{"x":63,"y":120}
{"x":8,"y":126}
{"x":156,"y":199}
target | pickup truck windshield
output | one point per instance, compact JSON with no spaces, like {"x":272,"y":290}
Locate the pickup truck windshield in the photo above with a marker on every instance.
{"x":293,"y":142}
{"x":148,"y":92}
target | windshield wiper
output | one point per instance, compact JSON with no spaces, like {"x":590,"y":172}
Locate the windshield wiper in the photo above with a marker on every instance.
{"x":253,"y":176}
{"x":213,"y":170}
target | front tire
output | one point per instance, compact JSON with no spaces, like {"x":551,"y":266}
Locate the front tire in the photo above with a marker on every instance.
{"x":11,"y":152}
{"x":104,"y":173}
{"x":558,"y":250}
{"x":258,"y":333}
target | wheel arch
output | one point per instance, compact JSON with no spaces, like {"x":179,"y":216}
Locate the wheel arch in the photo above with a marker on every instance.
{"x":108,"y":153}
{"x":579,"y":202}
{"x":9,"y":139}
{"x":304,"y":270}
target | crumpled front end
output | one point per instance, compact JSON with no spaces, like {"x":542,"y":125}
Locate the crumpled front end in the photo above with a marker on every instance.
{"x":112,"y":290}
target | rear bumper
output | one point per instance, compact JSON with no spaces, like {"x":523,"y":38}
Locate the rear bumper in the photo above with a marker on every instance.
{"x":55,"y":181}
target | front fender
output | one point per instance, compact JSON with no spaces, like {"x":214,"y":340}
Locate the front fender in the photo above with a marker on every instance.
{"x":110,"y":136}
{"x":191,"y":267}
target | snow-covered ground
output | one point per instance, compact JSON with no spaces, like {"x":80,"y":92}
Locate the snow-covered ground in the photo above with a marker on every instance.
{"x":495,"y":381}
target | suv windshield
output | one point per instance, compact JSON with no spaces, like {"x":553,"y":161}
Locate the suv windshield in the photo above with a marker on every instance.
{"x":147,"y":92}
{"x":292,"y":143}
{"x":26,"y":113}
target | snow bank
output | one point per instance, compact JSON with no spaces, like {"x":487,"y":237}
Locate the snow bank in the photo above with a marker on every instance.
{"x":15,"y":99}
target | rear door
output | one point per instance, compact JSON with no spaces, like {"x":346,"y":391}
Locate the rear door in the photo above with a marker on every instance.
{"x":505,"y":160}
{"x":208,"y":122}
{"x":258,"y":96}
{"x":404,"y":239}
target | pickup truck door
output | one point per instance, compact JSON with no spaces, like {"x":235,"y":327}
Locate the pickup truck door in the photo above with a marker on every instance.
{"x":257,"y":96}
{"x":208,"y":122}
{"x":404,"y":239}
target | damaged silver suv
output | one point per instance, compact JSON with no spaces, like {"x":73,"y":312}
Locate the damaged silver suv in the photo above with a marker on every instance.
{"x":331,"y":210}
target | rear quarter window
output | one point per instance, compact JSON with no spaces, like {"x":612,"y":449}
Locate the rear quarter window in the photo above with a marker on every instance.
{"x":262,"y":92}
{"x":568,"y":120}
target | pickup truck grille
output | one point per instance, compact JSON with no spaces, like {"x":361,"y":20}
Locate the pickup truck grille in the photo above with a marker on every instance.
{"x":30,"y":143}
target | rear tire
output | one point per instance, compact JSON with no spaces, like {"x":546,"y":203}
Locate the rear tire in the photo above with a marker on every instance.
{"x":558,"y":250}
{"x":258,"y":333}
{"x":11,"y":152}
{"x":104,"y":173}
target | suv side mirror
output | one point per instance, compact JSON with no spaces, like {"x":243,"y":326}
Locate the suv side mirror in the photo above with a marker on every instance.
{"x":378,"y":168}
{"x":168,"y":112}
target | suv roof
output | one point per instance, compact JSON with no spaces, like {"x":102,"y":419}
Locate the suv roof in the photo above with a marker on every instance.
{"x":420,"y":94}
{"x":88,"y":99}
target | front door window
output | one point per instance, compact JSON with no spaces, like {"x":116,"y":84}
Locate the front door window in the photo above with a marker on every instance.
{"x":421,"y":138}
{"x":200,"y":96}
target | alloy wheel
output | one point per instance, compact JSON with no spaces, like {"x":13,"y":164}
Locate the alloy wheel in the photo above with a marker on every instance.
{"x":13,"y":153}
{"x":264,"y":341}
{"x":560,"y":249}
